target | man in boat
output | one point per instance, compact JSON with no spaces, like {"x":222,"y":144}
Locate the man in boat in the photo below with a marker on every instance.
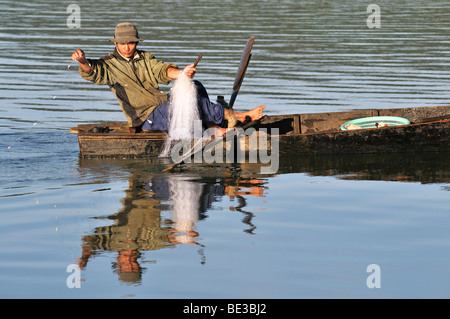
{"x":134,"y":77}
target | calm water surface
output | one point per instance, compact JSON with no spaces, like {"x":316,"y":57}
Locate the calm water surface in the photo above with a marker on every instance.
{"x":309,"y":231}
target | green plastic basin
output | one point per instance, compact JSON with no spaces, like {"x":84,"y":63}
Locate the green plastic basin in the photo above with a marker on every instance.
{"x":370,"y":122}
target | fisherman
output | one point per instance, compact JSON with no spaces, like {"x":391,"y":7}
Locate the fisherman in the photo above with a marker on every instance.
{"x":134,"y":77}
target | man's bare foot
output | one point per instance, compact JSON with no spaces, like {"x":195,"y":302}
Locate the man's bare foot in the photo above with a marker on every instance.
{"x":251,"y":115}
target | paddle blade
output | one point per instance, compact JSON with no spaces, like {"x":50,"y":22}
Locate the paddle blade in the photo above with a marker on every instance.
{"x":245,"y":59}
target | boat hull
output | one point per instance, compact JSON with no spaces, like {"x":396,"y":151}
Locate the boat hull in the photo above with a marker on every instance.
{"x":295,"y":134}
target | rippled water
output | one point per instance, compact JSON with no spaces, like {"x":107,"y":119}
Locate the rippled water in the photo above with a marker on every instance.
{"x":310,"y":230}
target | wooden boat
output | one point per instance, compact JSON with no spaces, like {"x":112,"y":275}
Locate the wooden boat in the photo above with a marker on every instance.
{"x":297,"y":134}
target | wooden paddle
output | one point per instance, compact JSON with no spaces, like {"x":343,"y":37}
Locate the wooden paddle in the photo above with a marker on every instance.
{"x":232,"y":132}
{"x":198,"y":59}
{"x":246,"y":55}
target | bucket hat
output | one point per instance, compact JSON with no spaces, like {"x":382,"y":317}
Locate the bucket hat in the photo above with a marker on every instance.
{"x":125,"y":32}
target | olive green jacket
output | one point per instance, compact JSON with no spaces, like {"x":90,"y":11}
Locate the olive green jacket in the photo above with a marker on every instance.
{"x":134,"y":82}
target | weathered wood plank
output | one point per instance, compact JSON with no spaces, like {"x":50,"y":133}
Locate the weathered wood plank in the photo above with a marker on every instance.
{"x":321,"y":122}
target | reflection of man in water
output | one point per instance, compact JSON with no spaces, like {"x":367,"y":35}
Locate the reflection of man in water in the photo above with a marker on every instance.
{"x":190,"y":198}
{"x":189,"y":201}
{"x":139,"y":227}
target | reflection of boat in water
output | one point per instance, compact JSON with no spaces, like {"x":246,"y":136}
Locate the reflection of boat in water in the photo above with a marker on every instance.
{"x":161,"y":210}
{"x":427,"y":167}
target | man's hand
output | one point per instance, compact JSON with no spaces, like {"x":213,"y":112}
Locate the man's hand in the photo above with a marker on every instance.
{"x":190,"y":71}
{"x":79,"y":56}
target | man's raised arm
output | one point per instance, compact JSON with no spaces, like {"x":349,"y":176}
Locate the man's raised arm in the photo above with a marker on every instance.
{"x":79,"y":56}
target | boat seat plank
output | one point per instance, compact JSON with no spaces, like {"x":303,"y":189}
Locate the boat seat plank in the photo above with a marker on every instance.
{"x":332,"y":121}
